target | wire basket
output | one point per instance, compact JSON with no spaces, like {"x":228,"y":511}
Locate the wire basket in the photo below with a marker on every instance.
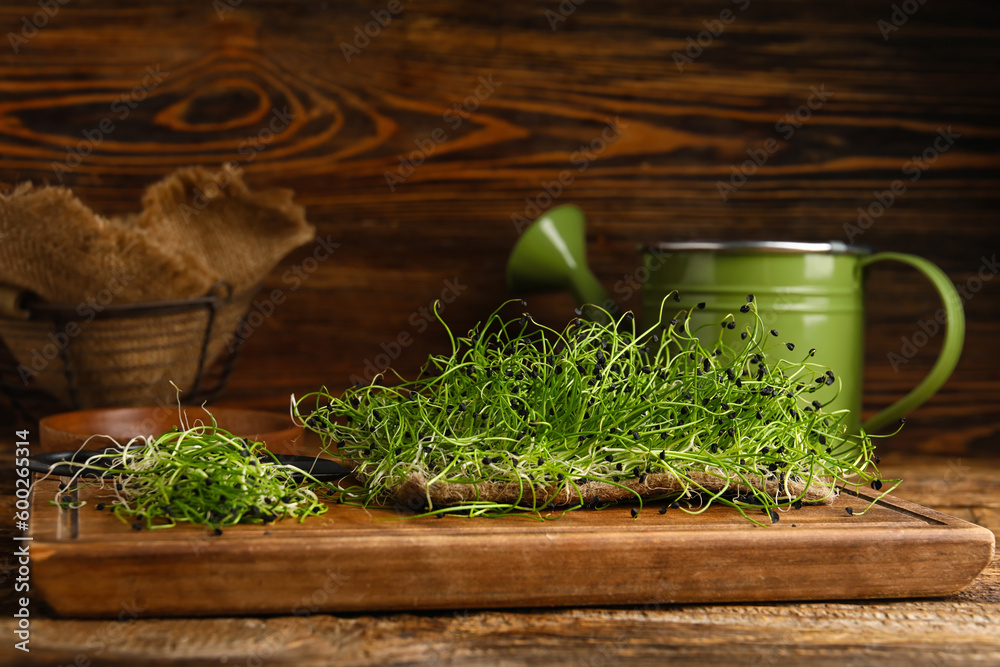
{"x":55,"y":358}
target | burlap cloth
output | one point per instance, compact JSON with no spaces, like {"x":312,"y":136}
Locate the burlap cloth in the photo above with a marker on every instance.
{"x":414,"y":492}
{"x":197,"y":227}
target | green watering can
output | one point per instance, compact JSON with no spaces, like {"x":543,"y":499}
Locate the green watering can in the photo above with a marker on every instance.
{"x":812,"y":294}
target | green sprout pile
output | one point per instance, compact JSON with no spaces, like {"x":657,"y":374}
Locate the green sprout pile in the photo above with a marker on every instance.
{"x":201,"y":475}
{"x":523,"y":418}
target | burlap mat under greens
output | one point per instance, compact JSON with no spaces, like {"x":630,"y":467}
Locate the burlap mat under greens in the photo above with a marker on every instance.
{"x":414,"y":492}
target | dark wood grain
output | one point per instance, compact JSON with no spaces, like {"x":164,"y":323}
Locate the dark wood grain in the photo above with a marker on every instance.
{"x":555,"y":90}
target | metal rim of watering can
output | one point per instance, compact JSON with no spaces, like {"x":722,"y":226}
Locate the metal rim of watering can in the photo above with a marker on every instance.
{"x":778,"y":247}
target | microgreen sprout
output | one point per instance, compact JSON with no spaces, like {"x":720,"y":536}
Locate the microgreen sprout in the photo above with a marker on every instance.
{"x":201,"y":474}
{"x":519,"y":417}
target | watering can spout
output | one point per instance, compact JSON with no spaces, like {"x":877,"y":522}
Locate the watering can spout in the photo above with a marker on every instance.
{"x":551,"y":255}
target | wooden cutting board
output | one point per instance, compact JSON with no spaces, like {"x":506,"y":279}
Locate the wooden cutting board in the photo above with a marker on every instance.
{"x":86,"y":563}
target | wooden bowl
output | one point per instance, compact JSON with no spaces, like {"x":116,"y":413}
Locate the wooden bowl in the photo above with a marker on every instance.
{"x":69,"y":430}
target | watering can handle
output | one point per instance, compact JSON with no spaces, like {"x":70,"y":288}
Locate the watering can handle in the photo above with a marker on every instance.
{"x":951,"y":349}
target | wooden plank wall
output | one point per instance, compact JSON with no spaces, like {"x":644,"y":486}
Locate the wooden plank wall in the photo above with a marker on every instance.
{"x":494,"y":101}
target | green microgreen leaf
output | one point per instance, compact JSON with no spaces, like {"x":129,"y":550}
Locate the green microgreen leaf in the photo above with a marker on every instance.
{"x":202,"y":475}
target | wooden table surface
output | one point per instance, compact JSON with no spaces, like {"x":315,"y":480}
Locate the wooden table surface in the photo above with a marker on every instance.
{"x":959,"y":630}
